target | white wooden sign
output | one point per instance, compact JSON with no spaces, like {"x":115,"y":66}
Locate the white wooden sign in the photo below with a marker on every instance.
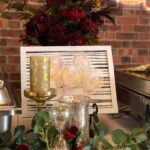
{"x":100,"y":58}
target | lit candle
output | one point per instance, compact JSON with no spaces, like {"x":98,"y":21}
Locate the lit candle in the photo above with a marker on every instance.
{"x":39,"y":74}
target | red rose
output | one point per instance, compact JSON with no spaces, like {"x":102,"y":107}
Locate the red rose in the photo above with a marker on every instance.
{"x":71,"y":132}
{"x":79,"y":147}
{"x":73,"y":14}
{"x":23,"y":147}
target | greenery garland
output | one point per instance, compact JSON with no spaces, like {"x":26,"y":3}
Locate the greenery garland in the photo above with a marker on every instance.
{"x":44,"y":133}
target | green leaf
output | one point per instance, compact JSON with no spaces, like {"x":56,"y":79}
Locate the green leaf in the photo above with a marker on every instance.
{"x":34,"y":40}
{"x":40,"y":119}
{"x":128,"y":148}
{"x":106,"y":144}
{"x":52,"y":132}
{"x":36,"y":144}
{"x":19,"y":134}
{"x":138,"y":134}
{"x":120,"y":137}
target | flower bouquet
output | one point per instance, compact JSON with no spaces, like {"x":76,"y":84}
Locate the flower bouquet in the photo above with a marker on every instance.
{"x":65,"y":22}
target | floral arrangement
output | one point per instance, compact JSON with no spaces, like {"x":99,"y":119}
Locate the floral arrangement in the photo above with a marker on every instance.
{"x":77,"y":78}
{"x":63,"y":22}
{"x":66,"y":22}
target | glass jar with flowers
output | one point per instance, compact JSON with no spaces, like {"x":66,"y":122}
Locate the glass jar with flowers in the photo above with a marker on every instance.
{"x":75,"y":82}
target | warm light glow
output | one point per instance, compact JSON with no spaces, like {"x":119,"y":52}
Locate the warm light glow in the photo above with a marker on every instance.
{"x":145,"y":3}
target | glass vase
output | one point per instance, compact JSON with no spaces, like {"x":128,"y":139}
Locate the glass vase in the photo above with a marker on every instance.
{"x":79,"y":115}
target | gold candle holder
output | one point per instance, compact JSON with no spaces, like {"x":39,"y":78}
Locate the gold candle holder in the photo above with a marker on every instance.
{"x":40,"y":90}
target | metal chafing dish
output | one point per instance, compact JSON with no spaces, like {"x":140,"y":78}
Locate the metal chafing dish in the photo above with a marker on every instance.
{"x":9,"y":105}
{"x":133,"y":88}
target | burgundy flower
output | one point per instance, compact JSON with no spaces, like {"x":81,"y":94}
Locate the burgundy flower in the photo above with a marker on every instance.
{"x":23,"y":147}
{"x":87,"y":24}
{"x":78,"y":39}
{"x":51,"y":2}
{"x":79,"y":147}
{"x":37,"y":25}
{"x":71,"y":132}
{"x":57,"y":34}
{"x":74,"y":14}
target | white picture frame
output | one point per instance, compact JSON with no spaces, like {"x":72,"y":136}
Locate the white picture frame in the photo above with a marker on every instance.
{"x":100,"y":58}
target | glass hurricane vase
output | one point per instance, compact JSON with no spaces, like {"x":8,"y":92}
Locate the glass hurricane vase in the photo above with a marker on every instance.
{"x":79,"y":116}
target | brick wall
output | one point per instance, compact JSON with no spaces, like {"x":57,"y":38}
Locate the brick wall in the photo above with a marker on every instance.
{"x":129,"y":38}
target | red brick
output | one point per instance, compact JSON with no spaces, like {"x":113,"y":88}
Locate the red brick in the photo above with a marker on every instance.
{"x":3,"y":23}
{"x":141,"y":28}
{"x":127,"y":44}
{"x":114,"y":44}
{"x":10,"y":68}
{"x":127,"y":28}
{"x":144,"y":36}
{"x":127,"y":52}
{"x":110,"y":35}
{"x":116,"y":59}
{"x":3,"y":42}
{"x":128,"y":12}
{"x":11,"y":33}
{"x":117,"y":11}
{"x":127,"y":20}
{"x":138,"y":59}
{"x":14,"y":59}
{"x":141,"y":44}
{"x":10,"y":50}
{"x":140,"y":12}
{"x":126,"y":59}
{"x":114,"y":28}
{"x":100,"y":35}
{"x":11,"y":15}
{"x":2,"y":6}
{"x":13,"y":42}
{"x":14,"y":76}
{"x":147,"y":59}
{"x":127,"y":36}
{"x":144,"y":21}
{"x":14,"y":24}
{"x":2,"y":59}
{"x":143,"y":52}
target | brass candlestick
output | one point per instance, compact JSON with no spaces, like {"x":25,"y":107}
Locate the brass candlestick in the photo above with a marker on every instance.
{"x":40,"y":99}
{"x":40,"y":90}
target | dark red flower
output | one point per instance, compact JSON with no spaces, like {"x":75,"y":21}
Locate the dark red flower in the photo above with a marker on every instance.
{"x":51,"y":2}
{"x":74,"y":14}
{"x":71,"y":132}
{"x":78,"y":39}
{"x":37,"y":25}
{"x":23,"y":147}
{"x":79,"y":147}
{"x":87,"y":24}
{"x":57,"y":34}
